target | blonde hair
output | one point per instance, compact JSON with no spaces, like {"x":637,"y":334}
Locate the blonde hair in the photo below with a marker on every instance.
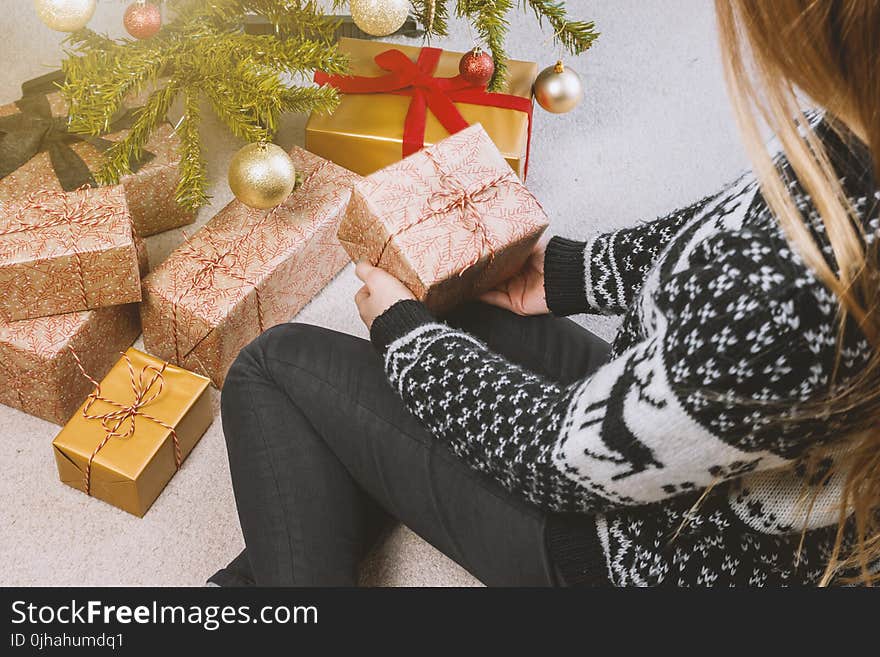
{"x":774,"y":51}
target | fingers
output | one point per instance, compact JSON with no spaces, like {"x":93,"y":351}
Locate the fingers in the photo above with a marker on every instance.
{"x":541,"y":244}
{"x":364,"y":270}
{"x":373,"y":277}
{"x":362,"y":295}
{"x":496,"y":298}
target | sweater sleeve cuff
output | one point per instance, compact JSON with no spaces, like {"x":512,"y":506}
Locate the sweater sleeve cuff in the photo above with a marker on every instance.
{"x":397,"y":321}
{"x":564,"y":277}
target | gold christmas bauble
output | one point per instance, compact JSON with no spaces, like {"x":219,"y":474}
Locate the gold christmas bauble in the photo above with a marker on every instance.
{"x":65,"y":15}
{"x":261,"y":175}
{"x":558,"y":89}
{"x":379,"y":17}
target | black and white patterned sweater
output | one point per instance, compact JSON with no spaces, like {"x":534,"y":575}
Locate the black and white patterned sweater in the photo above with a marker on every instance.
{"x":725,"y":334}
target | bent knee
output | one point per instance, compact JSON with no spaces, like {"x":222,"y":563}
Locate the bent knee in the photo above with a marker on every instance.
{"x":254,"y":361}
{"x":284,"y":339}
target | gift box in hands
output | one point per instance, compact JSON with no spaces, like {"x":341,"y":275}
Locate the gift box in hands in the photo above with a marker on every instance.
{"x":450,"y":221}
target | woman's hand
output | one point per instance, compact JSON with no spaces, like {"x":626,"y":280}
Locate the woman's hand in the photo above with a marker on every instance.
{"x":380,"y":291}
{"x":523,"y":293}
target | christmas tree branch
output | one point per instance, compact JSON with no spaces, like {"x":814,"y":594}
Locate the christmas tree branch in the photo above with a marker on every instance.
{"x":98,"y":81}
{"x":302,"y":19}
{"x":192,"y":188}
{"x":433,"y":16}
{"x":118,"y":158}
{"x":575,"y":36}
{"x":301,"y":99}
{"x":490,"y":19}
{"x":88,"y":39}
{"x":204,"y":50}
{"x":291,"y":55}
{"x":243,"y":120}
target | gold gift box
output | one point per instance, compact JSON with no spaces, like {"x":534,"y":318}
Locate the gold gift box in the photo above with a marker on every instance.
{"x":130,"y":471}
{"x":365,"y":132}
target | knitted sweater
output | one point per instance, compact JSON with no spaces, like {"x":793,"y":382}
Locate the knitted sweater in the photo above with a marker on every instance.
{"x":725,"y":335}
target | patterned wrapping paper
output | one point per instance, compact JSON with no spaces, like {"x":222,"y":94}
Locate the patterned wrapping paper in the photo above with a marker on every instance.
{"x":149,"y":190}
{"x":245,"y":271}
{"x":450,"y":221}
{"x":63,"y":252}
{"x":39,"y":374}
{"x":133,"y":431}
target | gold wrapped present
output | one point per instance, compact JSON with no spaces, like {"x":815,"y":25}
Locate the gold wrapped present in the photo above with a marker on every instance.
{"x":400,"y":98}
{"x":134,"y":431}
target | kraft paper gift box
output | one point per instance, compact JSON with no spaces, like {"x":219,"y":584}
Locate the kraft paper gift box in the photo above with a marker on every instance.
{"x":245,"y":271}
{"x":134,"y":431}
{"x":39,"y":374}
{"x":37,"y":153}
{"x":62,"y":252}
{"x":450,"y":221}
{"x":366,"y":131}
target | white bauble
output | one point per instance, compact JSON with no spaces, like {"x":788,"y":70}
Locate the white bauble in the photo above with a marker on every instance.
{"x":65,"y":15}
{"x":379,"y":17}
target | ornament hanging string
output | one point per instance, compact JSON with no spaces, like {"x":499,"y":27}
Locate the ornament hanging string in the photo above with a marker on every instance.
{"x":439,"y":94}
{"x":432,"y":11}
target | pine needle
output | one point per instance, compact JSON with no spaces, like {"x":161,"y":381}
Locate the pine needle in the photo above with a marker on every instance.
{"x":204,"y":52}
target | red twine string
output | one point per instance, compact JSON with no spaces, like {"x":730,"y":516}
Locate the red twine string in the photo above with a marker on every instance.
{"x":219,"y":261}
{"x":452,"y":197}
{"x":112,"y":421}
{"x":226,"y":262}
{"x":63,"y":209}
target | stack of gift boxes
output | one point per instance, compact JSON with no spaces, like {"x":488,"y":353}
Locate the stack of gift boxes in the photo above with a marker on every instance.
{"x":450,"y":220}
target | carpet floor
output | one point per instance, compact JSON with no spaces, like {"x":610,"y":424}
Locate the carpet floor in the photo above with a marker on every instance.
{"x":654,"y":133}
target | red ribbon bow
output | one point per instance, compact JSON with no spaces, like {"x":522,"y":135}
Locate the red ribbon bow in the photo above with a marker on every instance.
{"x":416,"y":79}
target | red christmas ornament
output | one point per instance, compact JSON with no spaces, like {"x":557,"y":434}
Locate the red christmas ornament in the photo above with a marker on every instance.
{"x":142,"y":20}
{"x":476,"y":66}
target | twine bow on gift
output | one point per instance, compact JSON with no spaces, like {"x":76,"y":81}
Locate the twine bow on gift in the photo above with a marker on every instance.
{"x":34,"y":130}
{"x":146,"y":387}
{"x":416,"y":79}
{"x":223,"y":261}
{"x":62,"y":209}
{"x":453,"y":198}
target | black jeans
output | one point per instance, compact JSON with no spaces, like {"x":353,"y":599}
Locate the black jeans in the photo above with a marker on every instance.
{"x":324,"y":454}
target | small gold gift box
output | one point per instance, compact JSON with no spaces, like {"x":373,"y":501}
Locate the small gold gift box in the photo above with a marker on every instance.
{"x":133,"y":431}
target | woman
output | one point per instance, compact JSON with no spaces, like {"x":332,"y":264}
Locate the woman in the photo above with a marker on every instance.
{"x":728,"y":436}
